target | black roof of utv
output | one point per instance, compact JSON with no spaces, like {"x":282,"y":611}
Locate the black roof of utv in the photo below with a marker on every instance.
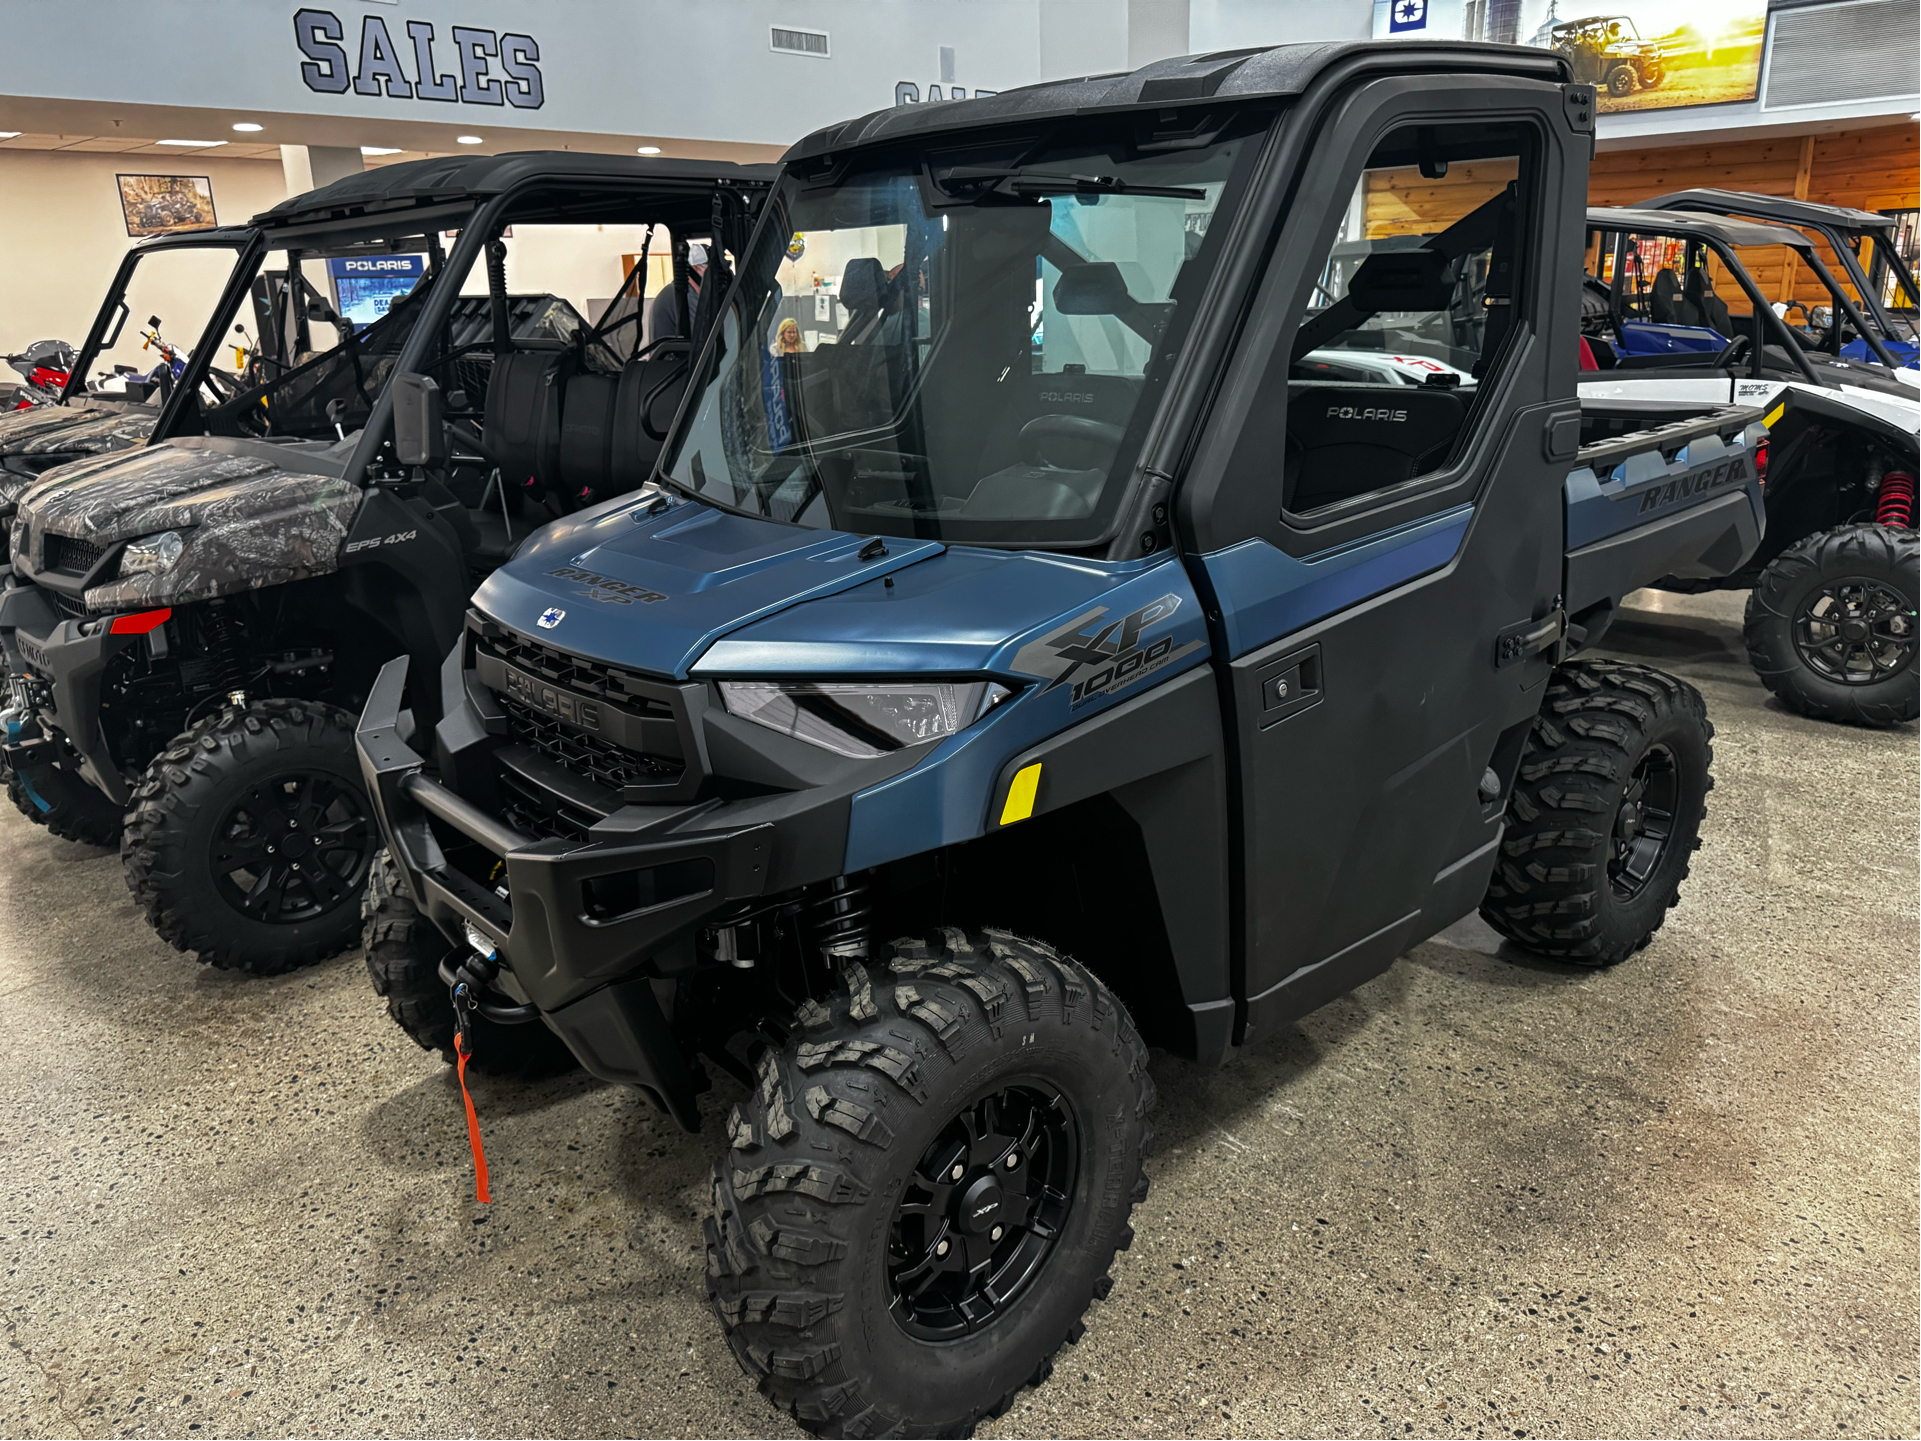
{"x":1774,"y":207}
{"x":1729,"y":231}
{"x":1184,"y":80}
{"x":452,"y":179}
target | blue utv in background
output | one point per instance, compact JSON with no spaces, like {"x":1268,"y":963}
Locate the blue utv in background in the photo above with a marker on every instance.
{"x":1042,"y":642}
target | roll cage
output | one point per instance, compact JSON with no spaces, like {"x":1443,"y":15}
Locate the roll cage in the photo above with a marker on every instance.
{"x":1705,"y":234}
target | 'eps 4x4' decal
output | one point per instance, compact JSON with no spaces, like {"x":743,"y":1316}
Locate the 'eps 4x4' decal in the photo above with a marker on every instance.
{"x":1098,"y":656}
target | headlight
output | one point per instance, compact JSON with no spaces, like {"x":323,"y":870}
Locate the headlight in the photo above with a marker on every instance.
{"x":153,"y":553}
{"x":859,"y":718}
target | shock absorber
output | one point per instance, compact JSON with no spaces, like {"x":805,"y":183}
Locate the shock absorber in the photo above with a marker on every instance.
{"x":217,"y":635}
{"x":1894,"y":502}
{"x":840,"y":918}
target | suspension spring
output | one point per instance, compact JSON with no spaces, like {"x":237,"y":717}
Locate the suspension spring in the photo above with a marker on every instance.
{"x":840,"y":918}
{"x":1894,"y":502}
{"x":217,"y":634}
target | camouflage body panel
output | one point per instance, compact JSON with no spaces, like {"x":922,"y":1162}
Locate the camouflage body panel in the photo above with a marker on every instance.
{"x":247,"y":522}
{"x":84,"y":428}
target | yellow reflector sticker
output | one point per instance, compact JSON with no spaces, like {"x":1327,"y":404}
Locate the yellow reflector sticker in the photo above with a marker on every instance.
{"x":1020,"y":795}
{"x":1773,"y":415}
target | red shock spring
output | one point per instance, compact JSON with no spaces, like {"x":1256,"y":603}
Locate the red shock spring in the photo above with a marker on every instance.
{"x":1895,"y":502}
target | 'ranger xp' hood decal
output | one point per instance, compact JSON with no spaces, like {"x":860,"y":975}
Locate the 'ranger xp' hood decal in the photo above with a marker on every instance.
{"x":651,"y":589}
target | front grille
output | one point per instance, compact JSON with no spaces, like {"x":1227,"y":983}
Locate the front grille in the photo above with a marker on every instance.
{"x":576,"y":673}
{"x":70,"y":556}
{"x":540,"y":814}
{"x":587,"y":756}
{"x":69,"y":606}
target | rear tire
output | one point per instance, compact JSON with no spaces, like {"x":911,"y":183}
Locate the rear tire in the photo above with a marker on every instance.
{"x":404,"y":951}
{"x":978,"y":1050}
{"x":66,"y":805}
{"x":1804,"y":608}
{"x":219,"y":848}
{"x":1620,"y":81}
{"x":1605,"y":813}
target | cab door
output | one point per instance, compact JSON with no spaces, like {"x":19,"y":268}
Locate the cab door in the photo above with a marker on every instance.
{"x":1377,"y":518}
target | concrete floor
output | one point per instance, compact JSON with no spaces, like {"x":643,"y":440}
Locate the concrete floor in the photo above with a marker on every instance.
{"x":1482,"y":1196}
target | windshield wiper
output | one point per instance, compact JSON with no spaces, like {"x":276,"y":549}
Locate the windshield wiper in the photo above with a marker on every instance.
{"x":1010,"y":180}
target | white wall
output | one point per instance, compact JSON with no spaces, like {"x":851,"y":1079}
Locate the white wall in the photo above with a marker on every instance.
{"x":1233,"y":24}
{"x":62,"y":235}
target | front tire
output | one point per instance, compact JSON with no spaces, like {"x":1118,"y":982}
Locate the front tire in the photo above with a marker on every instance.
{"x":404,"y":951}
{"x":926,"y":1189}
{"x":66,"y":805}
{"x":1621,"y":81}
{"x":1831,"y":626}
{"x":1605,"y":813}
{"x":250,"y":838}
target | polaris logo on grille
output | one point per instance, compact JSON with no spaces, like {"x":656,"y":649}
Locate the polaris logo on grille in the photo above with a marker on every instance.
{"x":536,"y":695}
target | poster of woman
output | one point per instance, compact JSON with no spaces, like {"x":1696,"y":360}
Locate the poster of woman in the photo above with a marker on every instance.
{"x":1638,"y":54}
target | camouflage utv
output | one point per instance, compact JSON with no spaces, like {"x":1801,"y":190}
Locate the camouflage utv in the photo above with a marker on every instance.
{"x":199,"y":621}
{"x":1607,"y":51}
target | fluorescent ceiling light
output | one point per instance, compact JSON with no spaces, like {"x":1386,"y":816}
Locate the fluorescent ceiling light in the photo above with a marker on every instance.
{"x":380,"y":150}
{"x":246,"y":127}
{"x":650,"y":150}
{"x":469,"y":140}
{"x":192,"y":144}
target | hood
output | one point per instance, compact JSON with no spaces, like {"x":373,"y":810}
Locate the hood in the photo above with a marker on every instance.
{"x":33,"y":442}
{"x":649,"y":585}
{"x":691,"y":590}
{"x":86,"y":427}
{"x":251,"y":514}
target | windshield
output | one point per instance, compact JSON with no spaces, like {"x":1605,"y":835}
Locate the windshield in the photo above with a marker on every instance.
{"x":962,"y":350}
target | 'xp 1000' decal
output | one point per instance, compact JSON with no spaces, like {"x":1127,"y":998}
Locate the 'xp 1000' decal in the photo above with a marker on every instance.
{"x":605,"y":588}
{"x":1099,"y":656}
{"x":1728,"y":472}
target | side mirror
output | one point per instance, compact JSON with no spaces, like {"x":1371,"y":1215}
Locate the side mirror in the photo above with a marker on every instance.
{"x":1096,"y":288}
{"x":420,"y":421}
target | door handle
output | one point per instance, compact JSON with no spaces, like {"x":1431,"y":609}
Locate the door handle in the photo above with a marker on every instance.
{"x":1529,"y":637}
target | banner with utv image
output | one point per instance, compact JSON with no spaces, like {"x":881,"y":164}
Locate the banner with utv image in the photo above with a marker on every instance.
{"x":1638,"y":54}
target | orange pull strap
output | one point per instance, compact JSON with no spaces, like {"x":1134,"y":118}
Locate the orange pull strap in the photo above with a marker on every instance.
{"x":473,"y":1125}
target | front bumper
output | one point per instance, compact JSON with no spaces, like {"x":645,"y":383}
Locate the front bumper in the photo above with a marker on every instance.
{"x":67,"y":659}
{"x":579,"y":926}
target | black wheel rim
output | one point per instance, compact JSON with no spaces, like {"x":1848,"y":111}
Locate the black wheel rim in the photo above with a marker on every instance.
{"x":293,"y":848}
{"x":1855,"y":632}
{"x":1644,"y":824}
{"x":982,"y":1211}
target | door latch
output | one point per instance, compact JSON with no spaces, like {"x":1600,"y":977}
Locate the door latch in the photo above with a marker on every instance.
{"x":1529,"y":637}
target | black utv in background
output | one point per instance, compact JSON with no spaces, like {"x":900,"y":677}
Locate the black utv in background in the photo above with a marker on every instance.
{"x":197,"y":621}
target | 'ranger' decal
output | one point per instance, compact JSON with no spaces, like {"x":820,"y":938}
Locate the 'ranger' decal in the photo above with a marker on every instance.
{"x":1111,"y":661}
{"x":605,"y":588}
{"x":1728,"y":472}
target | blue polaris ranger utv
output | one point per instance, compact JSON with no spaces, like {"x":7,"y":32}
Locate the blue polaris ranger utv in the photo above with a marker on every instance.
{"x":1111,"y":585}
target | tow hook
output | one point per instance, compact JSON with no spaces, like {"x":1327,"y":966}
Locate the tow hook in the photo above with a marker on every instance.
{"x":470,"y":978}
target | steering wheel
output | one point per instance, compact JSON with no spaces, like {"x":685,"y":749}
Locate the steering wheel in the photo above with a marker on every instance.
{"x":1732,"y":350}
{"x":1044,"y":438}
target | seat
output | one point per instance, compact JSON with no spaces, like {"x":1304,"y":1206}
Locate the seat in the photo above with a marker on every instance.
{"x":1668,"y":305}
{"x":1345,"y":440}
{"x":521,"y":423}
